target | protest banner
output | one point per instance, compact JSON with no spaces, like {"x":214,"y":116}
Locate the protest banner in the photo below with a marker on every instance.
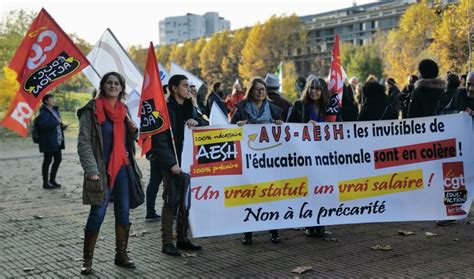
{"x":261,"y":177}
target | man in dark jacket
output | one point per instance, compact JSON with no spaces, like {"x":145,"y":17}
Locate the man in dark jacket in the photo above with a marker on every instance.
{"x":392,"y":93}
{"x":428,"y":91}
{"x":167,"y":154}
{"x":51,"y":139}
{"x":273,"y":84}
{"x":464,"y":97}
{"x":349,"y":110}
{"x":376,"y":105}
{"x":217,"y":96}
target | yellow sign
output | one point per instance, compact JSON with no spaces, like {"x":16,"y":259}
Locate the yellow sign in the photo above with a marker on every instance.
{"x":266,"y":191}
{"x":217,"y":136}
{"x":380,"y":185}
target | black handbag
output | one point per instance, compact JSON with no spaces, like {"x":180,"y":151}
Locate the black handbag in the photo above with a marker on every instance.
{"x":178,"y":193}
{"x":135,"y":188}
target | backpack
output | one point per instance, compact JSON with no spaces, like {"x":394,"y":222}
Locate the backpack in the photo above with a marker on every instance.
{"x":34,"y":131}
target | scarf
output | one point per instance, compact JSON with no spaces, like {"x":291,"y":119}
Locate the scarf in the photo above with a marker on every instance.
{"x":116,"y":115}
{"x":258,"y":115}
{"x":315,"y":114}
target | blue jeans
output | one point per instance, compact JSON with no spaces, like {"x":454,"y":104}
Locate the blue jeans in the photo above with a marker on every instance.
{"x":153,"y":186}
{"x":121,"y":204}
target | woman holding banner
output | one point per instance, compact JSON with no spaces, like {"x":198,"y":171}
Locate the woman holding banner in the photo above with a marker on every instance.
{"x":311,"y":108}
{"x":106,"y":148}
{"x":257,"y":108}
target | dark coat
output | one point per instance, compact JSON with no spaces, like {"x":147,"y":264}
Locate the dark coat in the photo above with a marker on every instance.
{"x":281,"y":102}
{"x":376,"y":107}
{"x":461,"y":101}
{"x":425,"y":97}
{"x":47,"y":125}
{"x":241,"y":114}
{"x":393,"y":100}
{"x":162,"y":151}
{"x":299,"y":113}
{"x":404,"y":99}
{"x":349,"y":108}
{"x":91,"y":152}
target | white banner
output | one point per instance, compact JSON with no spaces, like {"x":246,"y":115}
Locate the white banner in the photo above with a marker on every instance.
{"x":261,"y":177}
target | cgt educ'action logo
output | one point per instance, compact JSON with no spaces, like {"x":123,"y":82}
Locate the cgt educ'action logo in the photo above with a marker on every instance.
{"x":455,"y":194}
{"x":217,"y":152}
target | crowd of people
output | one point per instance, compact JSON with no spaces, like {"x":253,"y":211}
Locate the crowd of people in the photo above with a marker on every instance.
{"x":107,"y":135}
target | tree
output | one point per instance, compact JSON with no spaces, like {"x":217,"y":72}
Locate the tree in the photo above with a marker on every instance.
{"x":408,"y":44}
{"x":361,"y":61}
{"x":13,"y":27}
{"x":451,"y":37}
{"x":138,"y":54}
{"x":178,"y":53}
{"x":267,"y":44}
{"x":193,"y":57}
{"x":8,"y":87}
{"x":289,"y":78}
{"x":212,"y":55}
{"x":163,"y":55}
{"x":230,"y":63}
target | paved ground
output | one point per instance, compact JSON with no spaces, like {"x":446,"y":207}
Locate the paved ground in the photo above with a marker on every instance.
{"x":41,"y":237}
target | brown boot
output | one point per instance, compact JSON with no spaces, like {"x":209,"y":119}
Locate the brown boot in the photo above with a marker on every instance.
{"x":90,"y":239}
{"x":121,"y":243}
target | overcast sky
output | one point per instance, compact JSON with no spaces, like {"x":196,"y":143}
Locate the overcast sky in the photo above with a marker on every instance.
{"x":136,"y":22}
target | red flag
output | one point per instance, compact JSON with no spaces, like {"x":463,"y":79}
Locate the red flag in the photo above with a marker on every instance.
{"x":18,"y":115}
{"x":336,"y":81}
{"x":45,"y":58}
{"x":153,"y":115}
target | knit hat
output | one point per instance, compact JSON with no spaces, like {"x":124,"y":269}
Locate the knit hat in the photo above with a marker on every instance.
{"x":272,"y":81}
{"x":428,"y":69}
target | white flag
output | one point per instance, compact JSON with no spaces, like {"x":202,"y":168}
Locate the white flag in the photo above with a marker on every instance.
{"x":217,"y":116}
{"x":133,"y":103}
{"x":108,"y":55}
{"x":178,"y":70}
{"x":164,"y":75}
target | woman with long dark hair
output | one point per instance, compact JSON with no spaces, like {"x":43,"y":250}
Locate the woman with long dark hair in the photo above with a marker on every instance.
{"x":106,"y":147}
{"x":312,"y":108}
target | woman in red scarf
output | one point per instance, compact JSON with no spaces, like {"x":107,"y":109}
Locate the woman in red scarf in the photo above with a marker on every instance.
{"x":105,"y":148}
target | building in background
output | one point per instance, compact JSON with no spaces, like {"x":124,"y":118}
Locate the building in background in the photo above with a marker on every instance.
{"x":357,"y":25}
{"x":178,"y":29}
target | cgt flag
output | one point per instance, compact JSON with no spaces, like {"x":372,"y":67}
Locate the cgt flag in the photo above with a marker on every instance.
{"x":154,"y":116}
{"x":336,"y":82}
{"x":45,"y":58}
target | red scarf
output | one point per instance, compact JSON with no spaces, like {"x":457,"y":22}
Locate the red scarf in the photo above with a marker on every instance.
{"x":117,"y":115}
